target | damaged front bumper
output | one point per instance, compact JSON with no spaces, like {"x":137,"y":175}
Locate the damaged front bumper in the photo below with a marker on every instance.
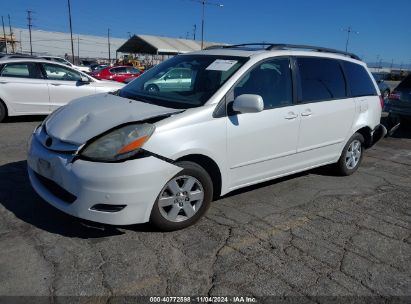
{"x":111,"y":193}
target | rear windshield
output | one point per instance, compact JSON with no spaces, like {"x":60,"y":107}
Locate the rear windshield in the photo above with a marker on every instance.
{"x":184,"y":81}
{"x":406,"y":83}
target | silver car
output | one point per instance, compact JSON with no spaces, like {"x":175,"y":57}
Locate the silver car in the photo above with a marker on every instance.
{"x":177,"y":79}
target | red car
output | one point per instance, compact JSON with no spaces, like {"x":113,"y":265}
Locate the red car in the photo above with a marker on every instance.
{"x":117,"y":73}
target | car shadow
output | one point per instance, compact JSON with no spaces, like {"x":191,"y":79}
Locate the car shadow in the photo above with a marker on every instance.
{"x":18,"y":197}
{"x":403,"y":131}
{"x":26,"y":118}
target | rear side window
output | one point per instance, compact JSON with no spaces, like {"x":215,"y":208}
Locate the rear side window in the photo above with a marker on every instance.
{"x":359,"y":80}
{"x":321,"y":79}
{"x":118,"y":71}
{"x":21,"y":70}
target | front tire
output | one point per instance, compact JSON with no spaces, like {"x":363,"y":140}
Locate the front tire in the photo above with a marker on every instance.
{"x":184,"y":199}
{"x":3,"y":111}
{"x":152,"y":88}
{"x":351,"y":155}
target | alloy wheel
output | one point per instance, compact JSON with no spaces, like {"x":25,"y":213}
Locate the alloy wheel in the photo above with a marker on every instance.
{"x":181,"y":198}
{"x":353,"y":155}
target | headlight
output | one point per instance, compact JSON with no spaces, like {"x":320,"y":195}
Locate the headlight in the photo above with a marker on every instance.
{"x":118,"y":144}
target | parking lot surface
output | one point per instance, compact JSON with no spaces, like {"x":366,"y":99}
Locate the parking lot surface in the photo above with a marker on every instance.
{"x":311,"y":234}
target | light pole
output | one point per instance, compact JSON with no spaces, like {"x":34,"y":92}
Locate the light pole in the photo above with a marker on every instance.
{"x":204,"y":3}
{"x":349,"y":30}
{"x":71,"y":32}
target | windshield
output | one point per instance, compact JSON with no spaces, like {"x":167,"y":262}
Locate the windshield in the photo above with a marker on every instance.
{"x":184,"y":81}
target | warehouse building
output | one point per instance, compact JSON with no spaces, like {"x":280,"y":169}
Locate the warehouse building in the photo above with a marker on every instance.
{"x":148,"y":48}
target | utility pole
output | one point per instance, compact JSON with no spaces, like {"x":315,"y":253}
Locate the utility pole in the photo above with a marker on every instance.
{"x":29,"y":19}
{"x":378,"y":63}
{"x":108,"y":42}
{"x":78,"y":50}
{"x":349,"y":30}
{"x":194,"y":31}
{"x":21,"y":44}
{"x":11,"y":35}
{"x":71,"y":31}
{"x":204,"y":3}
{"x":4,"y":34}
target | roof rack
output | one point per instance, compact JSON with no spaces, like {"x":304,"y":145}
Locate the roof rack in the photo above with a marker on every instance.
{"x":283,"y":46}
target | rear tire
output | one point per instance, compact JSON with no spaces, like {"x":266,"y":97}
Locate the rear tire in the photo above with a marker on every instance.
{"x":351,"y":155}
{"x":184,"y":199}
{"x":3,"y":111}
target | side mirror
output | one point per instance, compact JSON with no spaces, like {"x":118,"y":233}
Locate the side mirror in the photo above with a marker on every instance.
{"x":84,"y":79}
{"x":248,"y":103}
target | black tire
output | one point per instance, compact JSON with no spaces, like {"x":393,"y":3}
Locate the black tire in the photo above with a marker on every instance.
{"x":341,"y":166}
{"x":3,"y":111}
{"x":190,"y":169}
{"x":152,"y":88}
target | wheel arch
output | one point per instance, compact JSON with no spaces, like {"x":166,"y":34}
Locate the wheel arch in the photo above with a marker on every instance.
{"x":210,"y":166}
{"x":5,"y":106}
{"x":366,"y":132}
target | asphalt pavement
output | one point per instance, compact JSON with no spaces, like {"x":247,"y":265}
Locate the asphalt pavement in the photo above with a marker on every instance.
{"x":308,"y":235}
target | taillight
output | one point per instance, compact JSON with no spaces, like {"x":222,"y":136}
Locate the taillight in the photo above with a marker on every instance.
{"x":395,"y":95}
{"x":382,"y":102}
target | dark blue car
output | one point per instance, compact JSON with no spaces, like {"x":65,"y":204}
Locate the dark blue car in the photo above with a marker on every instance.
{"x":398,"y":104}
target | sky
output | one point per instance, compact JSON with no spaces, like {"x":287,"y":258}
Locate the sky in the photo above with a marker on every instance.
{"x":382,"y":28}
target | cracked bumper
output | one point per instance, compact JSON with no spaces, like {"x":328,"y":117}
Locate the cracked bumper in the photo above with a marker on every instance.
{"x":135,"y":183}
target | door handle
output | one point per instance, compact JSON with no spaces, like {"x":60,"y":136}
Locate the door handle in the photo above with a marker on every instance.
{"x":307,"y":113}
{"x":3,"y":82}
{"x":291,"y":115}
{"x":56,"y":84}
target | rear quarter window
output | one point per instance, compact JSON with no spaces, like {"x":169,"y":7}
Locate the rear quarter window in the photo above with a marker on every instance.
{"x":359,"y":80}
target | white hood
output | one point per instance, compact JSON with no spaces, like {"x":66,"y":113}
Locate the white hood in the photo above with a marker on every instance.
{"x":87,"y":117}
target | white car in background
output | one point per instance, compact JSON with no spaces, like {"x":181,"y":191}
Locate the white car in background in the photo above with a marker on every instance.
{"x":36,"y":86}
{"x":249,"y":115}
{"x":82,"y":68}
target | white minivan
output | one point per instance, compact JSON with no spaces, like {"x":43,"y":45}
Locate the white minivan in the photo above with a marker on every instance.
{"x":250,"y":114}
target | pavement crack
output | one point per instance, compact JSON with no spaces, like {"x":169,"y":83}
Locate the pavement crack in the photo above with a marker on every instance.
{"x":216,"y":256}
{"x":104,"y":282}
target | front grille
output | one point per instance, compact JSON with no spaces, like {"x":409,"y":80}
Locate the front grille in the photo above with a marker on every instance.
{"x":56,"y":190}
